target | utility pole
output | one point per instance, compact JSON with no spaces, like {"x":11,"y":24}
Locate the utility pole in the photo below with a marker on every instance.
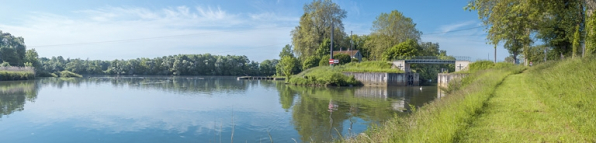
{"x":545,"y":54}
{"x":331,"y":47}
{"x":350,"y":41}
{"x":495,"y":53}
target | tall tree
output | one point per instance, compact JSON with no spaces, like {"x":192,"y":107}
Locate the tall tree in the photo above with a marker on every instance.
{"x":405,"y":49}
{"x":286,"y":51}
{"x":12,"y":49}
{"x":315,"y":25}
{"x":390,"y":29}
{"x":517,"y":22}
{"x":508,"y":21}
{"x":286,"y":65}
{"x":359,"y":43}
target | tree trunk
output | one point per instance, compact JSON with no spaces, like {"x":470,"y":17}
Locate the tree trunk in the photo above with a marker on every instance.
{"x":515,"y":58}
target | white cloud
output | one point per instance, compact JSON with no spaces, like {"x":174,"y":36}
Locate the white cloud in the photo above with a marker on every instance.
{"x":133,"y":32}
{"x":210,"y":13}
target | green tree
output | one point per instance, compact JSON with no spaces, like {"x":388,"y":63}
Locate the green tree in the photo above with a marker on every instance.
{"x":315,"y":25}
{"x":12,"y":49}
{"x":312,"y":61}
{"x":406,"y":49}
{"x":517,"y":22}
{"x":359,"y":43}
{"x":390,"y":29}
{"x":536,"y":53}
{"x":267,"y":67}
{"x":324,"y":48}
{"x":286,"y":51}
{"x":287,"y":64}
{"x":343,"y":58}
{"x":576,"y":39}
{"x":324,"y":61}
{"x":510,"y":21}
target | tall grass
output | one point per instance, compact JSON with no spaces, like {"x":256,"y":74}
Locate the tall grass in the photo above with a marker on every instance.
{"x":16,"y":73}
{"x":369,"y":66}
{"x":569,"y":87}
{"x":442,"y":120}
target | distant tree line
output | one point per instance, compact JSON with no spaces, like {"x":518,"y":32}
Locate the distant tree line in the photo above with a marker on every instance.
{"x":13,"y":52}
{"x":199,"y":64}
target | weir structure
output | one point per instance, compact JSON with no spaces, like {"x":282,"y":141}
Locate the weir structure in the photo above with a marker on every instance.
{"x":408,"y":78}
{"x":403,"y":63}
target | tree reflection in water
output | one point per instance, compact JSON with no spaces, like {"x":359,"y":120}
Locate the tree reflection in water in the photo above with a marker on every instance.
{"x":320,"y":113}
{"x":14,"y":94}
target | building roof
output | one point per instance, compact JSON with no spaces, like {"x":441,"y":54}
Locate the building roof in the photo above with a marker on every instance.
{"x":352,"y":53}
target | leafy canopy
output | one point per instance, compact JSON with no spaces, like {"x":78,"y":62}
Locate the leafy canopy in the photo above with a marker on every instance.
{"x":408,"y":48}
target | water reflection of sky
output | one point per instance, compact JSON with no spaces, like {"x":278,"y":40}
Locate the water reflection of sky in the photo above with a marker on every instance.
{"x":126,"y":111}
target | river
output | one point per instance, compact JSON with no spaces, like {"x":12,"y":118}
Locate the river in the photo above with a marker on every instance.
{"x":193,"y":109}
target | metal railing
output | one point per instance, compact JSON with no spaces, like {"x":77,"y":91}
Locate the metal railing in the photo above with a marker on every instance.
{"x":434,"y":58}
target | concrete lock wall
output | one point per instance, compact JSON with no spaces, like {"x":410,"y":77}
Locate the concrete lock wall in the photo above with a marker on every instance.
{"x":461,"y":65}
{"x":444,"y":78}
{"x":386,"y":79}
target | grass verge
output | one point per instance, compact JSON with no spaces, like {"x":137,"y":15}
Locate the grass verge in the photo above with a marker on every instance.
{"x":516,"y":114}
{"x":568,"y":87}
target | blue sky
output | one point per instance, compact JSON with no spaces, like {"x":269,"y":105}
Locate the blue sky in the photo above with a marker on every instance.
{"x":127,"y":29}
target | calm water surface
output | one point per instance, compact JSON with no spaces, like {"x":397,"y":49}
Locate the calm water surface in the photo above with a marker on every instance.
{"x":193,"y":109}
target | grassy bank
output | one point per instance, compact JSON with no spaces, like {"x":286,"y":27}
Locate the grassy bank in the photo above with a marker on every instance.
{"x":568,"y":87}
{"x":443,"y":120}
{"x":17,"y":75}
{"x":551,"y":102}
{"x":325,"y":75}
{"x":516,"y":114}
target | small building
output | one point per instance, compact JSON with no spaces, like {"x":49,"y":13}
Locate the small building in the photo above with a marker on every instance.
{"x":354,"y":54}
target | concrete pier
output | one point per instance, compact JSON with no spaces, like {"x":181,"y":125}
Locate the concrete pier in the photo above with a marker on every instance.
{"x":443,"y":79}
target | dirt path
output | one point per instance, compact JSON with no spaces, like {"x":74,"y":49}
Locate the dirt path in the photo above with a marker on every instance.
{"x":516,"y":114}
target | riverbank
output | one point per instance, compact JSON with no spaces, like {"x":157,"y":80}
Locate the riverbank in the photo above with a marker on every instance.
{"x":326,"y":76}
{"x":16,"y":75}
{"x":547,"y":103}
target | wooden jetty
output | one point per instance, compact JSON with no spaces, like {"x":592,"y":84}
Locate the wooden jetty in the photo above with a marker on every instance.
{"x":260,"y":78}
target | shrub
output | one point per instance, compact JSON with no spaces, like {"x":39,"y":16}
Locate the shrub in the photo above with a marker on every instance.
{"x":5,"y":64}
{"x":500,"y":65}
{"x":343,"y":58}
{"x":480,"y":65}
{"x":310,"y":62}
{"x":69,"y":74}
{"x":324,"y":61}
